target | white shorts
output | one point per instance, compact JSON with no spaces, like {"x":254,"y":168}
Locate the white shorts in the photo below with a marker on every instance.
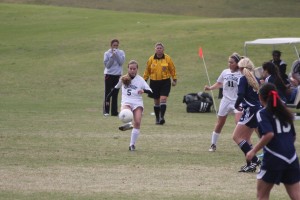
{"x":226,"y":107}
{"x":133,"y":106}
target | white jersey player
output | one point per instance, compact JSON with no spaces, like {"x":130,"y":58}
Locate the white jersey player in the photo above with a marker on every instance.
{"x":133,"y":86}
{"x":228,"y":80}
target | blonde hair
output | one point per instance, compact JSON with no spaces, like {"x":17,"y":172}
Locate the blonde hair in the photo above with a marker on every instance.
{"x":159,"y":44}
{"x":248,"y":68}
{"x":133,"y":62}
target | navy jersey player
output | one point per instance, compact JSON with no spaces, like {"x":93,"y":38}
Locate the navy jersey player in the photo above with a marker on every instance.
{"x":248,"y":102}
{"x":277,"y":132}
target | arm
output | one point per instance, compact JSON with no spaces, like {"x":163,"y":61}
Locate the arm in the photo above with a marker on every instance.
{"x":108,"y":60}
{"x":265,"y":139}
{"x":148,"y":69}
{"x":214,"y":86}
{"x":119,"y":55}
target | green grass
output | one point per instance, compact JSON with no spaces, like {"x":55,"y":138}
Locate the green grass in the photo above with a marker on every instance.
{"x":202,"y":8}
{"x":54,"y":141}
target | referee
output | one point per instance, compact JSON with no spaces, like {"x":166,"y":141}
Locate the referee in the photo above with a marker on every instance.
{"x":160,"y":69}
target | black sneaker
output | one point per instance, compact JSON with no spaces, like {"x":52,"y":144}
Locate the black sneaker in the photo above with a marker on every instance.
{"x":162,"y":121}
{"x":249,"y":168}
{"x":157,"y":122}
{"x":131,"y":148}
{"x":257,"y":163}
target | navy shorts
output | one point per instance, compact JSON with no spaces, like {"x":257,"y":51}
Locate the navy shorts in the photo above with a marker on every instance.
{"x":287,"y":176}
{"x":249,"y":117}
{"x":160,"y":88}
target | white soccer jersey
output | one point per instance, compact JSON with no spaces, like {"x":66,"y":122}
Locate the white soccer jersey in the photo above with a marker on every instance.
{"x":230,"y":84}
{"x":130,"y":93}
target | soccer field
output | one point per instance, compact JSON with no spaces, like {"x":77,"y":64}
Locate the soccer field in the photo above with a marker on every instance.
{"x":54,"y":141}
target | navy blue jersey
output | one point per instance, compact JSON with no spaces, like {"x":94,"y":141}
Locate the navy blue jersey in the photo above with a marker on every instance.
{"x":246,"y":93}
{"x":280,"y":152}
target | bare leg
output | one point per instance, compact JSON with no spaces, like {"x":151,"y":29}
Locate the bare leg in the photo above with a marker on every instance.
{"x":293,"y":190}
{"x":263,"y":190}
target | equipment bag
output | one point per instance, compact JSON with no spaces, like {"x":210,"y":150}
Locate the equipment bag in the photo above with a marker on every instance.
{"x":200,"y":102}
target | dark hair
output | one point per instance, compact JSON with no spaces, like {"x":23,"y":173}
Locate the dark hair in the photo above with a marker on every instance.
{"x":236,"y":57}
{"x":273,"y":70}
{"x":276,"y":52}
{"x":113,"y":41}
{"x":279,"y":109}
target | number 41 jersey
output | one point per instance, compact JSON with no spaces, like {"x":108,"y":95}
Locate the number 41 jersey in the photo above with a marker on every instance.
{"x":230,"y":83}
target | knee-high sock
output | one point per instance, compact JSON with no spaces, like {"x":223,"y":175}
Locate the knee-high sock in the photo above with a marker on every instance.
{"x":157,"y":111}
{"x":163,"y":108}
{"x":134,"y":135}
{"x":214,"y":137}
{"x":245,"y":147}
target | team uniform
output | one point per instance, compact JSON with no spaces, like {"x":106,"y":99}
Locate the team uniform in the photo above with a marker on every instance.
{"x":160,"y":71}
{"x":250,"y":103}
{"x":130,"y":96}
{"x":280,"y":162}
{"x":230,"y":89}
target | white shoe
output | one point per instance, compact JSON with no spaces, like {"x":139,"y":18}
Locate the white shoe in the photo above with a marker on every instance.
{"x":126,"y":127}
{"x":105,"y":114}
{"x":212,"y":148}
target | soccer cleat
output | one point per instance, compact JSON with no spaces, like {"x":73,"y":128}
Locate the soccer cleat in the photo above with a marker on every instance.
{"x":105,"y":114}
{"x":249,"y":168}
{"x":212,"y":148}
{"x":257,"y":163}
{"x":157,"y":122}
{"x":162,"y":121}
{"x":131,"y":148}
{"x":126,"y":127}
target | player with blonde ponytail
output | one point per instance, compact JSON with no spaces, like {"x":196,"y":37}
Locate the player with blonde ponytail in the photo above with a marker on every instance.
{"x":248,"y":102}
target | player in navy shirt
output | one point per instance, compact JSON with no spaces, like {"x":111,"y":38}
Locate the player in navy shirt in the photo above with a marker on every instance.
{"x":248,"y":102}
{"x":271,"y":75}
{"x":277,"y":132}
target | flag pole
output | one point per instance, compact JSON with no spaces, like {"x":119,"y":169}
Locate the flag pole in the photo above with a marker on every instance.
{"x":212,"y":94}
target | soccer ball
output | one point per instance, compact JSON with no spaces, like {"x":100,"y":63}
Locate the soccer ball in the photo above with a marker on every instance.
{"x":126,"y":115}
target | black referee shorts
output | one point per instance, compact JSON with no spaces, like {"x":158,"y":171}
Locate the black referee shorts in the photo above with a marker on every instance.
{"x":160,"y":88}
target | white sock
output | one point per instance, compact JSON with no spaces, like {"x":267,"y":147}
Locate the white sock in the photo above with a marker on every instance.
{"x":134,"y":135}
{"x":214,"y":137}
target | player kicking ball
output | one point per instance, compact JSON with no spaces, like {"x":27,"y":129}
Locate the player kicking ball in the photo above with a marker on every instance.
{"x":133,"y":86}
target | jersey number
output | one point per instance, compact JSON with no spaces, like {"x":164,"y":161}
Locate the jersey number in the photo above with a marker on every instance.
{"x":281,"y":128}
{"x":128,"y":92}
{"x":230,"y":84}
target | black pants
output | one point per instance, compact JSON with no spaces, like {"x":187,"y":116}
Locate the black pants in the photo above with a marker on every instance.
{"x":110,"y":82}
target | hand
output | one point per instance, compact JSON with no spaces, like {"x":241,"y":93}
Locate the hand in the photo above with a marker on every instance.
{"x":240,"y":109}
{"x":250,"y":155}
{"x":140,"y":91}
{"x":207,"y":88}
{"x":174,"y":82}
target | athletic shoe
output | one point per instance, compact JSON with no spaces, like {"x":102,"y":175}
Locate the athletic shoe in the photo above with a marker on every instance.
{"x":212,"y":148}
{"x":162,"y":121}
{"x":257,"y":163}
{"x":126,"y":127}
{"x":131,"y":148}
{"x":157,"y":122}
{"x":105,"y":114}
{"x":249,"y":168}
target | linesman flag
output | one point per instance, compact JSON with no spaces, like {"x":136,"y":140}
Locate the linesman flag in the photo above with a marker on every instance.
{"x":212,"y":94}
{"x":200,"y":52}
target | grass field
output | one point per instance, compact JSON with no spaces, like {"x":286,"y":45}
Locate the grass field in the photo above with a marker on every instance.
{"x":54,"y":141}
